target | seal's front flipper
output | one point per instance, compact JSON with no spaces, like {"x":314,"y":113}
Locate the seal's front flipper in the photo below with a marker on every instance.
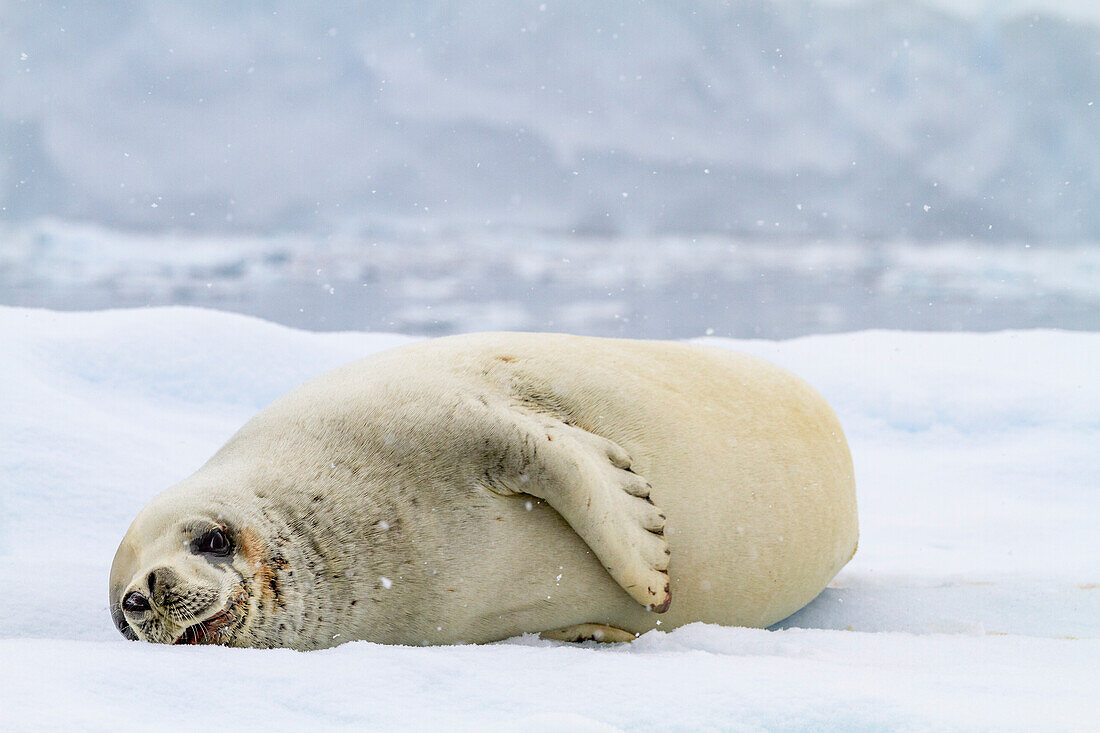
{"x":588,"y":480}
{"x":589,"y":632}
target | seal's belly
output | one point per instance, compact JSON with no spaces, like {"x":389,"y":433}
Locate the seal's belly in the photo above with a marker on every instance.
{"x":760,"y":502}
{"x":750,"y":465}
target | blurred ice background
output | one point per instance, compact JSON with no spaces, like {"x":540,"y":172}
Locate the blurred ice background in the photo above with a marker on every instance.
{"x":652,"y":169}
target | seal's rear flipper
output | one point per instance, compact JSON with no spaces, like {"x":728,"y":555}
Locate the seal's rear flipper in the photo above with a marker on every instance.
{"x":589,"y":632}
{"x":588,"y":480}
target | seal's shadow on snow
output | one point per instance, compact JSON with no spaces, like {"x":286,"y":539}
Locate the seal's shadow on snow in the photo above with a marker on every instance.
{"x":834,"y":608}
{"x":951,"y":606}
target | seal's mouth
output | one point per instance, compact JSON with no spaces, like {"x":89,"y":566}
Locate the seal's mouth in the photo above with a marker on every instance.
{"x":205,"y":632}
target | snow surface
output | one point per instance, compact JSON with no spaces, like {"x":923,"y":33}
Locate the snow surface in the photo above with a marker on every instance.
{"x":973,"y":602}
{"x":921,"y":118}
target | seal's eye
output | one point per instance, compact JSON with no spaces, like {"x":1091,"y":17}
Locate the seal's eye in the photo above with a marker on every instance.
{"x":213,"y":542}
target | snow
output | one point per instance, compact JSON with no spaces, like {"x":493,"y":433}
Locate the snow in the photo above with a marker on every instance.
{"x":924,"y":118}
{"x":972,"y":604}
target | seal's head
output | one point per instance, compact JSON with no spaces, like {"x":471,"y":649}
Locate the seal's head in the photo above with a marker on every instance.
{"x":174,"y":580}
{"x":185,"y":574}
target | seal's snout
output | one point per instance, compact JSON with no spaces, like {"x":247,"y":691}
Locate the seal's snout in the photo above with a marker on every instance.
{"x":155,"y":591}
{"x":135,"y":603}
{"x":162,"y":584}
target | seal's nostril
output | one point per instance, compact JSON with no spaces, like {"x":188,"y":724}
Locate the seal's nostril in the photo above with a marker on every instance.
{"x":152,"y":581}
{"x":135,"y":603}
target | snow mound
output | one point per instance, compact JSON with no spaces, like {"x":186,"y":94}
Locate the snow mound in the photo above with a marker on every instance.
{"x":973,"y":602}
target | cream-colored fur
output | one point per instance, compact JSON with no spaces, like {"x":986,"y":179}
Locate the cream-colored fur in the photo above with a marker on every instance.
{"x":471,"y":488}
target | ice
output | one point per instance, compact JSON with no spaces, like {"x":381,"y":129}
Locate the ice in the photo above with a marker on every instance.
{"x":973,"y":602}
{"x":443,"y":281}
{"x":923,"y":119}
